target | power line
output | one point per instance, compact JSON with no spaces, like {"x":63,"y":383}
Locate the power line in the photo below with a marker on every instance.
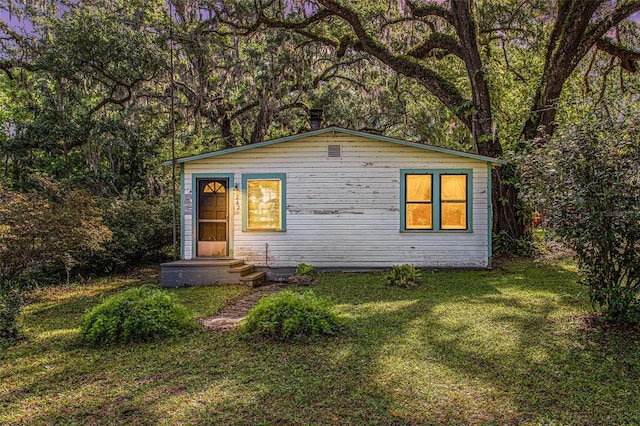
{"x":173,"y":143}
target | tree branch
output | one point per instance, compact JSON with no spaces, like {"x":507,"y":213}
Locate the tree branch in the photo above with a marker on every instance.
{"x":111,"y":100}
{"x":618,"y":15}
{"x":244,"y":109}
{"x":409,"y":66}
{"x":438,"y":41}
{"x":295,"y":25}
{"x":430,"y":9}
{"x":598,"y":30}
{"x":627,"y":57}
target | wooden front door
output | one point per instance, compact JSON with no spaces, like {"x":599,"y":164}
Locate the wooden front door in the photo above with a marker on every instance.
{"x":213,"y":217}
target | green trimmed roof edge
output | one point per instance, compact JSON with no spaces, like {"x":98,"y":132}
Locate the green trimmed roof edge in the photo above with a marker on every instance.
{"x":335,"y":129}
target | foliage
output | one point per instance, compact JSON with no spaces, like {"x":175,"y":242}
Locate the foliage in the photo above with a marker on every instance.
{"x":11,"y":303}
{"x":505,"y":244}
{"x":404,"y":276}
{"x":305,"y":269}
{"x":80,"y":111}
{"x":291,"y":316}
{"x":139,"y":314}
{"x":304,"y":275}
{"x":141,"y":233}
{"x":587,"y":184}
{"x":48,"y":228}
{"x":87,"y":89}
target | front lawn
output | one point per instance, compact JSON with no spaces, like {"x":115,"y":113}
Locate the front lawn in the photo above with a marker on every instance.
{"x":508,"y":346}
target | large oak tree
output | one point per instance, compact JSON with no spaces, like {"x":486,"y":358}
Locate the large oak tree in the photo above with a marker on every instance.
{"x":413,"y":37}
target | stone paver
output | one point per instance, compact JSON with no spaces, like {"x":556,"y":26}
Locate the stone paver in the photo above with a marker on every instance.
{"x":232,"y":315}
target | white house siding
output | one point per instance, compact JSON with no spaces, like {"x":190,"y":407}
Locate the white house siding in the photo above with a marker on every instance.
{"x":345,"y":212}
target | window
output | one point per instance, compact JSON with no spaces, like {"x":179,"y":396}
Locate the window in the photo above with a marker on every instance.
{"x":453,"y":201}
{"x":419,"y":201}
{"x":264,"y":202}
{"x":436,"y":200}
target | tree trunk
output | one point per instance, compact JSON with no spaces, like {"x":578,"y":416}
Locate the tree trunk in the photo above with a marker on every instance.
{"x":507,"y":209}
{"x":509,"y":213}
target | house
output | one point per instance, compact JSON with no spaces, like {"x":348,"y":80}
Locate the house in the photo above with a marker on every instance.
{"x":333,"y":198}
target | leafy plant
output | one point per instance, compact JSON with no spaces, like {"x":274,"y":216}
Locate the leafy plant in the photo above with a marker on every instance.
{"x":587,"y":182}
{"x":505,"y":244}
{"x":304,"y":275}
{"x":291,"y":316}
{"x":305,"y":269}
{"x":139,"y":314}
{"x":404,"y":276}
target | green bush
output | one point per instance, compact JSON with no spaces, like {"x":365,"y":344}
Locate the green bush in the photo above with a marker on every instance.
{"x":139,"y":314}
{"x":291,"y":316}
{"x":11,"y":303}
{"x":48,"y":230}
{"x":505,"y":244}
{"x":141,"y":232}
{"x":403,"y":276}
{"x":587,"y":185}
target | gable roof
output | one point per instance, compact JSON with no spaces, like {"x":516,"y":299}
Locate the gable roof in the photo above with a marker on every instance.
{"x":334,"y":129}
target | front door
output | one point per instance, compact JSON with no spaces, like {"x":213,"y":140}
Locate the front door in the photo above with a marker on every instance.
{"x":212,"y":222}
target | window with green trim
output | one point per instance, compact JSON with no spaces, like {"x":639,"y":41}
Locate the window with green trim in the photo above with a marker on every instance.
{"x":436,"y":200}
{"x":264,"y":201}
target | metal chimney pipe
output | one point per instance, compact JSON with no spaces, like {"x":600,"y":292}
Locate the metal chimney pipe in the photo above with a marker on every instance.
{"x":315,"y":118}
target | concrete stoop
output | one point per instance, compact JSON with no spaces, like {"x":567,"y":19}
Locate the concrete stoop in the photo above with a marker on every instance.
{"x":199,"y":272}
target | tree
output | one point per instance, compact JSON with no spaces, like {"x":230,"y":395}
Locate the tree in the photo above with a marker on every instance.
{"x":79,"y":115}
{"x":415,"y":39}
{"x":237,"y":88}
{"x":47,"y":229}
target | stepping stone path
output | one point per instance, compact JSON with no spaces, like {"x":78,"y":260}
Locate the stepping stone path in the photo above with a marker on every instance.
{"x":230,"y":316}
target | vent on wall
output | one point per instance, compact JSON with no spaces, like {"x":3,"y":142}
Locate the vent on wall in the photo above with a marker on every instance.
{"x":333,"y":151}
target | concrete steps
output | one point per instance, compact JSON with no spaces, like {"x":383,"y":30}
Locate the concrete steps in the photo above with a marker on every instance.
{"x":210,"y":272}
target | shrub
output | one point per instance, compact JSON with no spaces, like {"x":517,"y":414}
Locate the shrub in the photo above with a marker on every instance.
{"x":587,"y":184}
{"x":139,"y":314}
{"x":291,"y":316}
{"x":141,"y":231}
{"x":403,"y":276}
{"x":10,"y":305}
{"x":47,"y":229}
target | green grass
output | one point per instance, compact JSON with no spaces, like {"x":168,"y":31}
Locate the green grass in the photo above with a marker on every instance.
{"x":507,"y":346}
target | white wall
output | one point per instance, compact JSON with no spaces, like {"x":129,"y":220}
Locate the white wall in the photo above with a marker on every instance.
{"x":345,"y":212}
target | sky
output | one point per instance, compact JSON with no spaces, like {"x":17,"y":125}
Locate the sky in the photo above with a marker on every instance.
{"x":16,"y":24}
